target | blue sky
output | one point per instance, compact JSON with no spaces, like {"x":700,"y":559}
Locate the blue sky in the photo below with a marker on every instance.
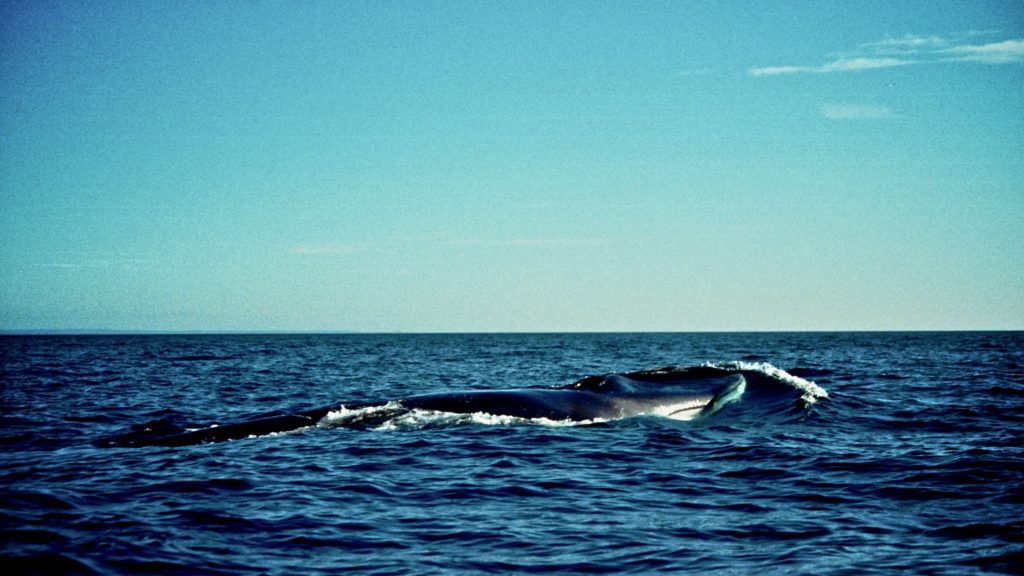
{"x":518,"y":166}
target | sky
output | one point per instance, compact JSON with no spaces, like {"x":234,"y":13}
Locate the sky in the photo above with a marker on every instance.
{"x":511,"y":166}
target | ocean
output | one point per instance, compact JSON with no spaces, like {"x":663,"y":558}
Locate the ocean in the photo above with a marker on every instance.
{"x":846,"y":453}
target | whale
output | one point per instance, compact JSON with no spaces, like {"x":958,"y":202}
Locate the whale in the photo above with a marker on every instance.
{"x":614,"y":396}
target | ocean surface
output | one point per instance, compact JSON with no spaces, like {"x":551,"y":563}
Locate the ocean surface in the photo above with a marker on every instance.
{"x":847,"y":453}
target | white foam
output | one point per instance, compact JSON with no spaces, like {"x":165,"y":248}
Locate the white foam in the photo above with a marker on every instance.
{"x":302,"y":430}
{"x":811,"y":391}
{"x":343,"y":415}
{"x":418,"y":419}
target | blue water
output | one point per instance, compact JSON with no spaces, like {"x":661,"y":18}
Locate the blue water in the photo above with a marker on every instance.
{"x":847,"y":453}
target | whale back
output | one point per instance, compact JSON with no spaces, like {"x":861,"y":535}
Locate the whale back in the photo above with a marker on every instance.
{"x":604,"y":384}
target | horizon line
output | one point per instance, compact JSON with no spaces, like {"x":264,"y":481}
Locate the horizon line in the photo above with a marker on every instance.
{"x":245,"y":332}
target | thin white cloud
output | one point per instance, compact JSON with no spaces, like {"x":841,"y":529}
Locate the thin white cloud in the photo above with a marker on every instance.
{"x":841,"y":65}
{"x":856,"y":112}
{"x":909,"y":44}
{"x":854,"y":64}
{"x":1006,"y":52}
{"x":777,"y":70}
{"x":908,"y":50}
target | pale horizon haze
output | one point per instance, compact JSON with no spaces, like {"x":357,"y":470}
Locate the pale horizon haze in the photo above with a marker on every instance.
{"x":511,"y":166}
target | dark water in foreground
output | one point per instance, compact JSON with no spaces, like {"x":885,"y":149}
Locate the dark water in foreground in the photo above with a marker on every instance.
{"x":914,"y":461}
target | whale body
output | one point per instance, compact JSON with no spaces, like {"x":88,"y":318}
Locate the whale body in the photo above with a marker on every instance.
{"x":594,"y":398}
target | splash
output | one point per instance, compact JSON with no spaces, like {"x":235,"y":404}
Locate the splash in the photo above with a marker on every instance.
{"x":363,"y":416}
{"x":810,"y":392}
